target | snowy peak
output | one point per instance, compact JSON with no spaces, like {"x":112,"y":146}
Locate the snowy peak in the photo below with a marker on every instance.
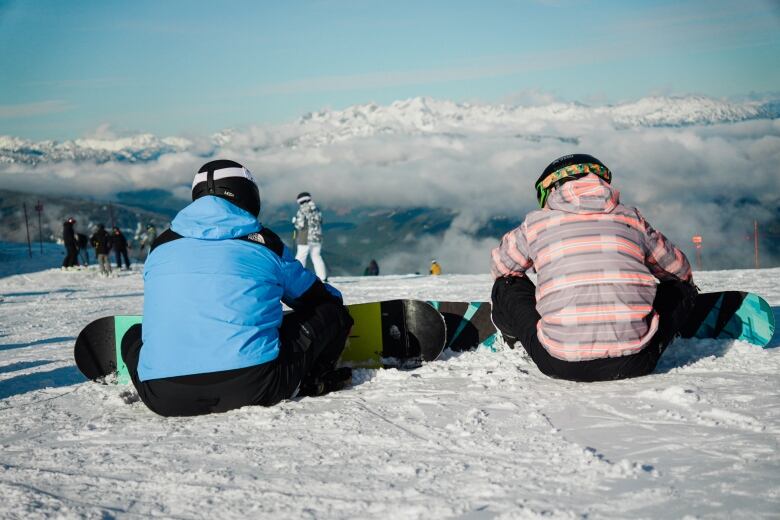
{"x":682,"y":111}
{"x":137,"y":142}
{"x":426,"y":114}
{"x":133,"y":149}
{"x":415,"y":116}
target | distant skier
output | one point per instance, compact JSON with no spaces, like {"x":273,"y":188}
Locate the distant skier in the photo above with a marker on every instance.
{"x":372,"y":269}
{"x":597,"y":312}
{"x":83,"y":244}
{"x":71,"y":242}
{"x":101,"y":241}
{"x":214,"y":337}
{"x":435,"y":268}
{"x":149,"y":237}
{"x":119,"y":245}
{"x":138,"y":240}
{"x":308,"y":234}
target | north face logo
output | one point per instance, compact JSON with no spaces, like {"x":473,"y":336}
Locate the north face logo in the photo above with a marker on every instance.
{"x":256,"y":237}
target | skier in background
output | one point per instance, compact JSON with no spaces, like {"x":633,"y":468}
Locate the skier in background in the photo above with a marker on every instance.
{"x":372,"y":269}
{"x":138,"y":240}
{"x":597,"y":312}
{"x":101,"y":241}
{"x":83,"y":244}
{"x":435,"y":268}
{"x":119,"y":245}
{"x":149,"y":237}
{"x":214,"y":336}
{"x":308,"y":234}
{"x":71,"y":243}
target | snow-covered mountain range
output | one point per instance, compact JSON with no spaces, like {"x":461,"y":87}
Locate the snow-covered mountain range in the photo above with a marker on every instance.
{"x":408,"y":117}
{"x":137,"y":148}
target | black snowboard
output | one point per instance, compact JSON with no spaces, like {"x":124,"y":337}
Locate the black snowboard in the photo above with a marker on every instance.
{"x":395,"y":333}
{"x":468,"y":324}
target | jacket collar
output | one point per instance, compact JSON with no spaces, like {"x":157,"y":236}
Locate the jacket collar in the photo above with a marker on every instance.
{"x":213,"y":218}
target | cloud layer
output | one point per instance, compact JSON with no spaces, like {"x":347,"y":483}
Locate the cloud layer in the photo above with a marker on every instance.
{"x":692,"y":165}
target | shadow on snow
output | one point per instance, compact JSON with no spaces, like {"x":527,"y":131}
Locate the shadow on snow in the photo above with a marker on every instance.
{"x":21,"y":365}
{"x":45,"y":341}
{"x":39,"y":293}
{"x":59,"y":377}
{"x":109,"y":296}
{"x":684,"y":352}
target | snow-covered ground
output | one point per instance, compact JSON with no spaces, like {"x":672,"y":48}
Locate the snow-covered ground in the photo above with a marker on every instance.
{"x":474,"y":435}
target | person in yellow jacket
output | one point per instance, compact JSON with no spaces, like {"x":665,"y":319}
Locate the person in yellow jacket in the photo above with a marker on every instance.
{"x":435,"y":268}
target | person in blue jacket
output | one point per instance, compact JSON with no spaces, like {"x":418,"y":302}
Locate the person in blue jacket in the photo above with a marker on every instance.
{"x":214,"y":336}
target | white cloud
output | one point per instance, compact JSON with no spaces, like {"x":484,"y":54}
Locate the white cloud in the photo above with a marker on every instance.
{"x":457,"y":251}
{"x":709,"y":179}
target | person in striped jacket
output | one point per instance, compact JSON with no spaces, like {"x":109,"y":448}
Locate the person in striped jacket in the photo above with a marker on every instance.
{"x":611,"y":291}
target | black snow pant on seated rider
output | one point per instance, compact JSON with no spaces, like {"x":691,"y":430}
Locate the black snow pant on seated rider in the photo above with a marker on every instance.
{"x":514,"y":314}
{"x":310,"y":345}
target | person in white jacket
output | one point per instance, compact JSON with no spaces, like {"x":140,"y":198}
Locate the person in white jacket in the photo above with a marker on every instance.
{"x":308,"y":234}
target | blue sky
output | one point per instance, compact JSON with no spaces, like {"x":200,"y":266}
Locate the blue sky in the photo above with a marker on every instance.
{"x":192,"y":68}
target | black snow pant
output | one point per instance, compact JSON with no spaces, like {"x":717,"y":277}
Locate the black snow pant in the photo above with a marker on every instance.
{"x":120,"y":254}
{"x":514,"y":314}
{"x":310,"y":345}
{"x":71,"y":255}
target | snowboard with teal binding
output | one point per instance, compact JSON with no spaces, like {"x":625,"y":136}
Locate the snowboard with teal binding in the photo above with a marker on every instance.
{"x":736,"y":315}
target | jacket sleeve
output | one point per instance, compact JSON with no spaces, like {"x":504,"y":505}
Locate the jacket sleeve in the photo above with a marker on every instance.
{"x":299,"y":221}
{"x":662,"y":257}
{"x":302,"y":288}
{"x":512,"y":257}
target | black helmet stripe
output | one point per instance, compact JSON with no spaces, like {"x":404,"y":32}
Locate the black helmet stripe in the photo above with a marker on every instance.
{"x":210,"y":181}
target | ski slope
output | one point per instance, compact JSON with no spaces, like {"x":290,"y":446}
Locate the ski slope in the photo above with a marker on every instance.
{"x":475,"y":435}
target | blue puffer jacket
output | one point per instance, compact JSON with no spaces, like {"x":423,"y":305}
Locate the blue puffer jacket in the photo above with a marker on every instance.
{"x":212,"y":303}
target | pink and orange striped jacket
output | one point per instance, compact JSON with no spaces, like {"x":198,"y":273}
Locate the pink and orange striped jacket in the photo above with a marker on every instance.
{"x":597,"y":263}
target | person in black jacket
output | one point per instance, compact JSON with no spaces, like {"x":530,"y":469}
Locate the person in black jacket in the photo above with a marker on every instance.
{"x":71,"y":243}
{"x":101,"y":241}
{"x":119,"y":245}
{"x":372,"y":269}
{"x":83,"y":249}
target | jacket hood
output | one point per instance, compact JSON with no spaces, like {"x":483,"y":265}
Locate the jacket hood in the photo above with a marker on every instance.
{"x":588,"y":194}
{"x":213,"y":218}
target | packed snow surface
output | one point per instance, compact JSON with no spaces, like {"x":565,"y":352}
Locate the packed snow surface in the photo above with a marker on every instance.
{"x":473,"y":435}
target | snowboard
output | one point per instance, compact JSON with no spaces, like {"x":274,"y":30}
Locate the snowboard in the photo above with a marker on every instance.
{"x":717,"y":315}
{"x":386,"y":334}
{"x":468,"y":324}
